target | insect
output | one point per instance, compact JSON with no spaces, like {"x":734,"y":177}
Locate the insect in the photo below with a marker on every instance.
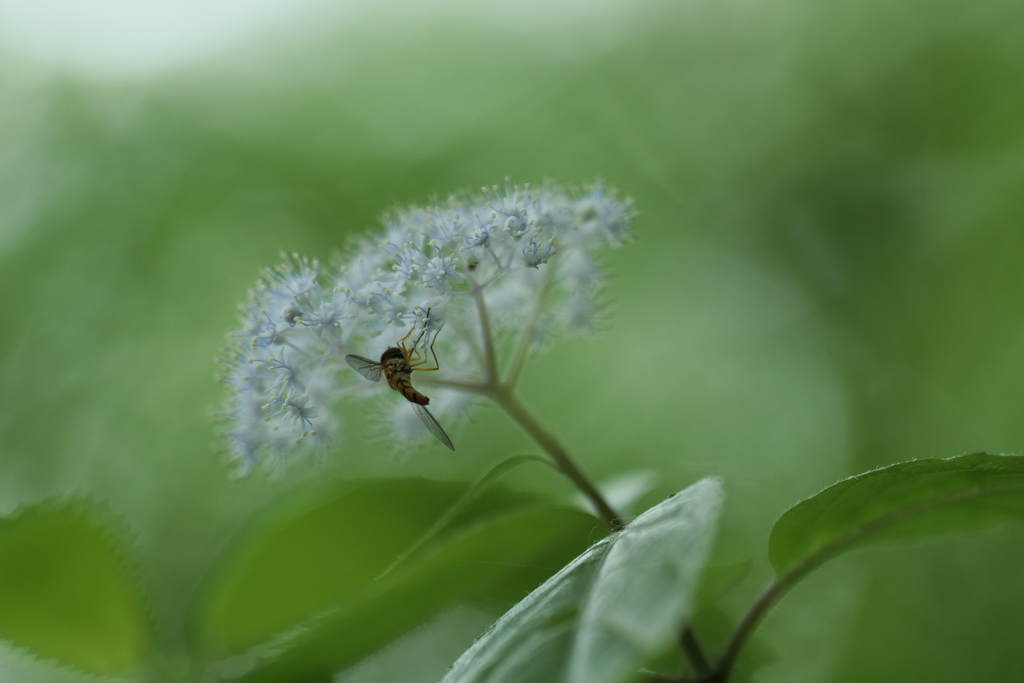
{"x":396,"y":366}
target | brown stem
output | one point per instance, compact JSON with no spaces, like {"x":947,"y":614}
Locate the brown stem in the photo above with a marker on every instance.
{"x":508,"y":401}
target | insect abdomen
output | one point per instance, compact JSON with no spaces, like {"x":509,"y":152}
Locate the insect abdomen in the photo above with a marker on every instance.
{"x":399,"y":381}
{"x":404,"y":387}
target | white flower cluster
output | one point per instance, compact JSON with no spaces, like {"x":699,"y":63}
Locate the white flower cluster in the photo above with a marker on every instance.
{"x":518,"y":262}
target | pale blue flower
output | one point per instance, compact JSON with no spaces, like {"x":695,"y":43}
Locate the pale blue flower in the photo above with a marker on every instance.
{"x":441,"y":271}
{"x":427,"y":267}
{"x":537,"y":252}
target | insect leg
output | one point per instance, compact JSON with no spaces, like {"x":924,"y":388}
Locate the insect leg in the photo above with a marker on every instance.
{"x":416,"y":343}
{"x":415,"y":354}
{"x":402,"y":340}
{"x":437,"y":364}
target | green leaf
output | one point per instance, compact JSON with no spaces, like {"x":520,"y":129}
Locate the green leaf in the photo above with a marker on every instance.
{"x":600,"y":621}
{"x":644,"y":589}
{"x":463,"y":503}
{"x":304,"y":600}
{"x":904,"y":500}
{"x":311,"y":553}
{"x":65,"y":593}
{"x":532,"y":642}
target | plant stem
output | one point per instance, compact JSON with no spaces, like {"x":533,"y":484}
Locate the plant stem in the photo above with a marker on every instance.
{"x":510,"y":403}
{"x":490,"y":354}
{"x":760,"y":607}
{"x":694,"y":651}
{"x":764,"y":602}
{"x":529,"y":331}
{"x":468,"y":386}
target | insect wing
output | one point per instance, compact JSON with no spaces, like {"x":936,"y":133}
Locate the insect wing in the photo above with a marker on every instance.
{"x":432,"y":425}
{"x":370,"y":369}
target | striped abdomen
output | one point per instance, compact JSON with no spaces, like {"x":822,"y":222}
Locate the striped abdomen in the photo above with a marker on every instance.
{"x":402,"y":385}
{"x":397,"y":372}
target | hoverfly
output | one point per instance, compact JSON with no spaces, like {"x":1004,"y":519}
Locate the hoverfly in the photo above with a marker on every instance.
{"x":396,"y":366}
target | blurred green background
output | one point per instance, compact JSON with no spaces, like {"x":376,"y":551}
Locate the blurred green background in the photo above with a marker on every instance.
{"x":826,"y":278}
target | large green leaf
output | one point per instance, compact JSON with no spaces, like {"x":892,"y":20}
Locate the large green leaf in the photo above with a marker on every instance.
{"x":309,"y":595}
{"x":311,"y":554}
{"x":65,"y":593}
{"x":644,"y":590}
{"x":531,"y":543}
{"x":463,"y":503}
{"x":903,"y":500}
{"x":600,"y":621}
{"x":533,"y":641}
